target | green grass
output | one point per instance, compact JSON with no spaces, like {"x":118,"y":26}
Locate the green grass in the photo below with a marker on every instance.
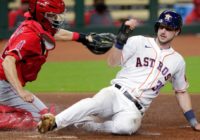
{"x":91,"y":76}
{"x":192,"y":73}
{"x":87,"y":76}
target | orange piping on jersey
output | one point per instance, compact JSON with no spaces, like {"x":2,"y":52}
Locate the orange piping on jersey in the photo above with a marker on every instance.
{"x":159,"y":71}
{"x":151,"y":69}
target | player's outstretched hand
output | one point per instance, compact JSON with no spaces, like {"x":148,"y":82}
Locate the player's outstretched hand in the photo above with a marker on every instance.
{"x":132,"y":23}
{"x":125,"y":32}
{"x":197,"y":127}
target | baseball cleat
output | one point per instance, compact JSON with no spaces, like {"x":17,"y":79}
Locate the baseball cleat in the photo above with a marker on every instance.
{"x":47,"y":123}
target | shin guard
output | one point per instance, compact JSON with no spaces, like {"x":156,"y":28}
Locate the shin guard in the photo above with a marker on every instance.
{"x":17,"y":119}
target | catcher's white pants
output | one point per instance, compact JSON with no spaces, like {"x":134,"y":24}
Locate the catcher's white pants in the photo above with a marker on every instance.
{"x":124,"y":116}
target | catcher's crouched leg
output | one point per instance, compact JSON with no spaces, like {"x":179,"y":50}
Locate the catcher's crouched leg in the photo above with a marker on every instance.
{"x":47,"y":123}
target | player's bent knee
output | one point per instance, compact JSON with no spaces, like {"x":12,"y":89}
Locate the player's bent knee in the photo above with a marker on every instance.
{"x":123,"y":130}
{"x":126,"y":128}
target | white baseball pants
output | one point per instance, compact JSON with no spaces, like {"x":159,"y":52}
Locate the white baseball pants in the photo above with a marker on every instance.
{"x":120,"y":114}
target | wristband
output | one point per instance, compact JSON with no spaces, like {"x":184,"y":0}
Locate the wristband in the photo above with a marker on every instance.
{"x":189,"y":115}
{"x":82,"y":38}
{"x":119,"y":46}
{"x":75,"y":36}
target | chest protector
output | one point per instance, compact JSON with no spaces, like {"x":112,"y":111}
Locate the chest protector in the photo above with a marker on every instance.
{"x":29,"y":66}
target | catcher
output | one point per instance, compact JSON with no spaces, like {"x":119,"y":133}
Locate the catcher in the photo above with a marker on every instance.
{"x":24,"y":55}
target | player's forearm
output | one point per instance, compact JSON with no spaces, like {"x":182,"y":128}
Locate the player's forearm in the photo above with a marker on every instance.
{"x":114,"y":58}
{"x":185,"y":104}
{"x":184,"y":101}
{"x":11,"y":72}
{"x":124,"y":33}
{"x":63,"y":35}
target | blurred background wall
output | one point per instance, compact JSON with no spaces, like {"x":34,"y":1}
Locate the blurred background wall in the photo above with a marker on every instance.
{"x":79,"y":14}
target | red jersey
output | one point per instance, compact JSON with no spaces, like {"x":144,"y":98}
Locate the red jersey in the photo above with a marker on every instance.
{"x":27,"y":46}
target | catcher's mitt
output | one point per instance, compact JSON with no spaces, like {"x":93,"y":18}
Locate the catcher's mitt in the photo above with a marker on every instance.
{"x":98,"y":43}
{"x":47,"y":123}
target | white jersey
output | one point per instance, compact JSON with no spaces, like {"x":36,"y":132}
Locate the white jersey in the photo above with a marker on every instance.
{"x":146,"y":68}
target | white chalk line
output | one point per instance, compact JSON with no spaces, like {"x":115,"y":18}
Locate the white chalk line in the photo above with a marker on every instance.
{"x":53,"y":137}
{"x":150,"y":133}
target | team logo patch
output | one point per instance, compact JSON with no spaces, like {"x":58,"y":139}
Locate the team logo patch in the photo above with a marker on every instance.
{"x":168,"y":17}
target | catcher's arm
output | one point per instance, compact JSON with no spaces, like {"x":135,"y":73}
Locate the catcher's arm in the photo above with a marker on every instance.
{"x":63,"y":35}
{"x":66,"y":35}
{"x":96,"y":43}
{"x":124,"y":33}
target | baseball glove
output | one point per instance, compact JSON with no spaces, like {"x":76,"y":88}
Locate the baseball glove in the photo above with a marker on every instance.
{"x":47,"y":123}
{"x":98,"y":43}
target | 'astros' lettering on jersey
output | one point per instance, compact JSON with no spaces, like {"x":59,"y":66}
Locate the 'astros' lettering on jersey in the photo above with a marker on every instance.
{"x":146,"y":69}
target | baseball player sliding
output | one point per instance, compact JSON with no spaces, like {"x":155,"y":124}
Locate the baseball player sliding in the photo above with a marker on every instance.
{"x":24,"y":55}
{"x":147,"y":64}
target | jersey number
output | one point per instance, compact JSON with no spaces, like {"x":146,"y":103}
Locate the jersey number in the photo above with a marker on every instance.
{"x":158,"y":86}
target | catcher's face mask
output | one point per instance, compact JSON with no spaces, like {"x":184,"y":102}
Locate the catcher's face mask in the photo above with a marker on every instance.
{"x":56,"y":20}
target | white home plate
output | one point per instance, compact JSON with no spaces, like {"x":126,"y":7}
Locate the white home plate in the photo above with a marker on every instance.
{"x":53,"y":137}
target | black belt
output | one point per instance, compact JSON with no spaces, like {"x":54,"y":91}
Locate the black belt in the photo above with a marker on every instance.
{"x":137,"y":104}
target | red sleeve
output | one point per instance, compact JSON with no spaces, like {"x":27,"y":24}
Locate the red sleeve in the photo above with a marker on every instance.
{"x":24,"y":45}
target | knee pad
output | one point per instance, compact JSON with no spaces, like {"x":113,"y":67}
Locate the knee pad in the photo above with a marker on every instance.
{"x":13,"y":118}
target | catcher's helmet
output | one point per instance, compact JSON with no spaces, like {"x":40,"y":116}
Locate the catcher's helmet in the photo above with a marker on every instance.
{"x":170,"y":19}
{"x":46,"y":13}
